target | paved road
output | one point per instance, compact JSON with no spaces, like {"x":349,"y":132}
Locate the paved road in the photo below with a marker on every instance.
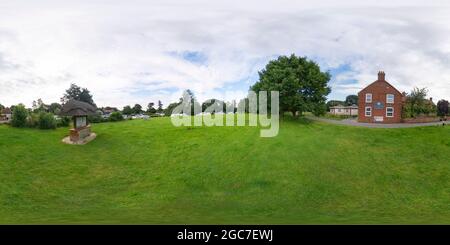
{"x":353,"y":122}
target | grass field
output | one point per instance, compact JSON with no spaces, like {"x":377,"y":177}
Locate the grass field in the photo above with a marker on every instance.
{"x":151,"y":172}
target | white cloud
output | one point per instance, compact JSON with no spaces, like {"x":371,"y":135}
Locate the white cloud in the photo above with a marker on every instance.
{"x":124,"y":52}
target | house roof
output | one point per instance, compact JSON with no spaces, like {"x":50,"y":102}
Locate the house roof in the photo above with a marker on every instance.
{"x":6,"y":111}
{"x":77,"y":108}
{"x":344,"y":107}
{"x":381,"y":79}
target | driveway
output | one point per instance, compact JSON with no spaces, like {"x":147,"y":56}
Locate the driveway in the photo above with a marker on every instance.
{"x":353,"y":122}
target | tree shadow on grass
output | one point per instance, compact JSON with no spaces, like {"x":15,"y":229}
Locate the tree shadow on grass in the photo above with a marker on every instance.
{"x":299,"y":119}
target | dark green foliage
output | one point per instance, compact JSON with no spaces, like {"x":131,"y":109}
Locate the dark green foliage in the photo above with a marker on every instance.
{"x":442,"y":108}
{"x":218,"y":105}
{"x":116,"y":116}
{"x":301,"y":83}
{"x":54,"y":108}
{"x":77,"y":93}
{"x":170,"y":107}
{"x":150,"y":108}
{"x":137,"y":109}
{"x":160,"y":107}
{"x":127,"y":110}
{"x":46,"y":121}
{"x":351,"y":100}
{"x":33,"y":120}
{"x":243,"y":105}
{"x":63,"y":122}
{"x":97,"y":118}
{"x":39,"y":106}
{"x":319,"y":110}
{"x":19,"y":117}
{"x":188,"y":96}
{"x":417,"y":104}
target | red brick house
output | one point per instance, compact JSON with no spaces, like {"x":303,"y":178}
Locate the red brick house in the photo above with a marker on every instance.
{"x":380,"y":102}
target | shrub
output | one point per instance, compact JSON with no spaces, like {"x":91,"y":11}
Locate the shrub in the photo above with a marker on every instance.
{"x":319,"y":109}
{"x":443,"y":108}
{"x":116,"y":116}
{"x":33,"y":120}
{"x":63,"y":122}
{"x":95,"y":118}
{"x":46,"y":121}
{"x":19,"y":117}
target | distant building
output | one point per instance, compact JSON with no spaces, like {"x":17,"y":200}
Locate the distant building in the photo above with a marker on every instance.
{"x":380,"y":102}
{"x":106,"y":111}
{"x":344,"y":110}
{"x":6,"y":114}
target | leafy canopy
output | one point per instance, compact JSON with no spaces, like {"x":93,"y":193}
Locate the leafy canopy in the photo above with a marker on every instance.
{"x":127,"y":110}
{"x":443,"y":108}
{"x":417,"y":104}
{"x":301,"y":83}
{"x":19,"y":116}
{"x":77,"y":93}
{"x":351,"y":100}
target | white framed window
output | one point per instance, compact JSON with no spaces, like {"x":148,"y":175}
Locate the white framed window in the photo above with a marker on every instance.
{"x":389,"y":98}
{"x":368,"y":98}
{"x":389,"y":111}
{"x":368,"y":111}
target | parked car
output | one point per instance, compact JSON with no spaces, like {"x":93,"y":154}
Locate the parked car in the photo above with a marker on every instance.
{"x":140,"y":116}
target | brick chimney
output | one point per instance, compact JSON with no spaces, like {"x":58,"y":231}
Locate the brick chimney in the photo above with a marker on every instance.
{"x":381,"y":76}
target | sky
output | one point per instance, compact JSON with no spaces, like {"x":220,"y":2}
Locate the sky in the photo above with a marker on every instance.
{"x":135,"y":51}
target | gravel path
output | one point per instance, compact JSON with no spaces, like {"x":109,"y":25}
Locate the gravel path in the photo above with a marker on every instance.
{"x":353,"y":122}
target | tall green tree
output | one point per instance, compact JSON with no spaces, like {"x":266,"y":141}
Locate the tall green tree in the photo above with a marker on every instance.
{"x":150,"y":108}
{"x":127,"y":110}
{"x":443,"y":108}
{"x":160,"y":107}
{"x":243,"y":105}
{"x":170,"y":107}
{"x":54,"y":108}
{"x":218,"y":105}
{"x":77,"y":93}
{"x":416,"y":103}
{"x":19,"y":116}
{"x":39,"y":106}
{"x":300,"y":82}
{"x":188,"y":96}
{"x":351,"y":100}
{"x":137,"y":109}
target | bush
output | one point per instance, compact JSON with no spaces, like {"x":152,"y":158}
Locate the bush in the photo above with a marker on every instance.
{"x":116,"y":116}
{"x":95,"y":118}
{"x":443,"y":108}
{"x":33,"y":120}
{"x":19,"y":117}
{"x":46,"y":121}
{"x":319,"y":109}
{"x":63,"y":122}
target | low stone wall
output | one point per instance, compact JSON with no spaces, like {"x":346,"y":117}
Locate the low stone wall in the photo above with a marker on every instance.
{"x":80,"y":133}
{"x":421,"y":120}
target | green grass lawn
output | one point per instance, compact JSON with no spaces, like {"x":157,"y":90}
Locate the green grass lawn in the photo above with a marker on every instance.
{"x":151,"y":172}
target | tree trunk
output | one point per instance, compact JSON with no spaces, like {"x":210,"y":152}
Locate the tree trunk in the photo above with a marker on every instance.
{"x":294,"y":113}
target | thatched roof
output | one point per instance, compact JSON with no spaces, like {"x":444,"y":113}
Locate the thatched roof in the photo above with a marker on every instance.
{"x":77,"y":108}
